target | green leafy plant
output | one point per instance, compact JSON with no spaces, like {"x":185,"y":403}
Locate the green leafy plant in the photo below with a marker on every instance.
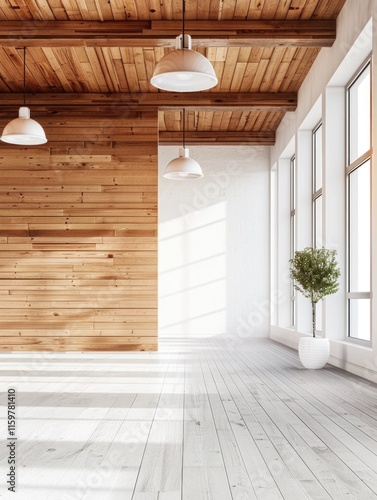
{"x":315,"y":272}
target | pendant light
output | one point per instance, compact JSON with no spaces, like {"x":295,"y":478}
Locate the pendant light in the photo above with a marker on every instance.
{"x":183,"y":168}
{"x":183,"y":69}
{"x":23,"y":130}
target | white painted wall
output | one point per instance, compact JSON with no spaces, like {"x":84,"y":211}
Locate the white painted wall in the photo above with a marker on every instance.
{"x":213,"y":244}
{"x":322,"y":96}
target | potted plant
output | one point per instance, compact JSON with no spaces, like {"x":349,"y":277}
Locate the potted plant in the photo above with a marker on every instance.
{"x":315,"y":272}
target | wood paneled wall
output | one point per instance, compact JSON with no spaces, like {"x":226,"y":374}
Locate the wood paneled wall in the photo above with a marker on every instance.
{"x":78,"y":237}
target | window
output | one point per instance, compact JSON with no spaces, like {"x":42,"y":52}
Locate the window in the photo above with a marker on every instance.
{"x":358,"y":175}
{"x":317,"y":186}
{"x":317,"y":202}
{"x":293,"y":233}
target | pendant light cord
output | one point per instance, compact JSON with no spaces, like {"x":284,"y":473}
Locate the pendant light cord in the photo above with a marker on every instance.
{"x":184,"y":128}
{"x":183,"y":22}
{"x":24,"y":76}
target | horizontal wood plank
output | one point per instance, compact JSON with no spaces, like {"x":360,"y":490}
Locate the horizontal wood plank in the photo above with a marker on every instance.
{"x":78,"y":246}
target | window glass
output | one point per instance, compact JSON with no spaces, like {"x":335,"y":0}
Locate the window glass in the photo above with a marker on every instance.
{"x":318,"y":222}
{"x":317,"y":157}
{"x":359,"y":318}
{"x":359,"y":115}
{"x":359,"y":229}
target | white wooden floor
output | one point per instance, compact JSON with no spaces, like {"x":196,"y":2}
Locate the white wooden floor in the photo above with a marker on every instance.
{"x":201,"y":419}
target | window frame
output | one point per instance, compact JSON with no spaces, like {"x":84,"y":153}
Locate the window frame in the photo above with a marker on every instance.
{"x":292,"y":236}
{"x":350,"y":168}
{"x":315,"y":193}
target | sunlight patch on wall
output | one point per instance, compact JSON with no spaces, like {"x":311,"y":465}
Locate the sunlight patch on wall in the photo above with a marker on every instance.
{"x":192,"y":273}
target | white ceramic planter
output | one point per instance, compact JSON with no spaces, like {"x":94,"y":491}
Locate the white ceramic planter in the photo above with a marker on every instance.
{"x":314,"y":352}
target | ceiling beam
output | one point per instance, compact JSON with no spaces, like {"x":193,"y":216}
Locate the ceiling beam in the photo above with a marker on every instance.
{"x":238,"y":33}
{"x":228,"y":138}
{"x":115,"y":103}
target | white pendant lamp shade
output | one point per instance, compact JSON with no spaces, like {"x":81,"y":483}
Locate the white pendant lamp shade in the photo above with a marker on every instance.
{"x":23,"y":130}
{"x":183,"y":168}
{"x":184,"y":70}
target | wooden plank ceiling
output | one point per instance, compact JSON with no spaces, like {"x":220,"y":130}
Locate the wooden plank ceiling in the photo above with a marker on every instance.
{"x":96,"y":58}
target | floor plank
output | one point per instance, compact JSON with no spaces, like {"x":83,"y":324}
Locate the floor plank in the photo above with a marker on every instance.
{"x":216,"y":418}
